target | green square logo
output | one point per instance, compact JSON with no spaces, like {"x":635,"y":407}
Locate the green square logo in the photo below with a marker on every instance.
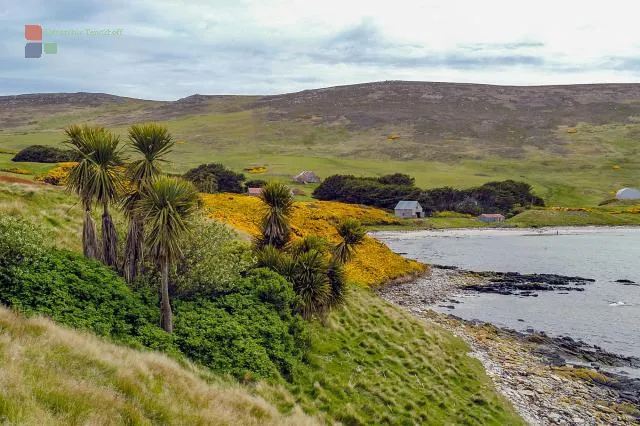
{"x":51,"y":48}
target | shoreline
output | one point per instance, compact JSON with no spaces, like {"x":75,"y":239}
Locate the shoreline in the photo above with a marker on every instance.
{"x":533,"y":371}
{"x":565,"y":229}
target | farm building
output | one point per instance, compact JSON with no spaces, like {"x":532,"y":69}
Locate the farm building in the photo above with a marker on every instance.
{"x":408,"y":209}
{"x":306,"y":177}
{"x":628,"y":194}
{"x":491,"y":218}
{"x":254,"y":191}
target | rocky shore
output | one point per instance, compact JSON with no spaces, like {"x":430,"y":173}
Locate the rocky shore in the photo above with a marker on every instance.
{"x":550,"y":380}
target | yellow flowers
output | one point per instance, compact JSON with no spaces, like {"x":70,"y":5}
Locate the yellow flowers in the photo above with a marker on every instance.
{"x":57,"y":175}
{"x":616,"y":167}
{"x":393,"y":137}
{"x":373,"y":263}
{"x":16,"y":171}
{"x":571,"y":209}
{"x":572,"y":130}
{"x":256,"y":169}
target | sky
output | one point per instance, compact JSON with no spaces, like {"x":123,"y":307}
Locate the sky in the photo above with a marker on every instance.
{"x":170,"y":49}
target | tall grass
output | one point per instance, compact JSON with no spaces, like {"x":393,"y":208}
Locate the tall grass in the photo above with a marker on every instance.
{"x":51,"y":375}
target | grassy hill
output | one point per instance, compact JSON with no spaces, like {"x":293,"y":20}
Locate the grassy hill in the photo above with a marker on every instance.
{"x":575,"y":144}
{"x":52,"y":375}
{"x":369,"y":363}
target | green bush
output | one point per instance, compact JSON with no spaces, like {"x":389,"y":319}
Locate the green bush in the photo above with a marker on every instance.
{"x":44,"y":154}
{"x":212,"y":178}
{"x":250,"y":332}
{"x":255,"y":183}
{"x":213,"y":260}
{"x":248,"y":328}
{"x":78,"y":292}
{"x":20,"y":240}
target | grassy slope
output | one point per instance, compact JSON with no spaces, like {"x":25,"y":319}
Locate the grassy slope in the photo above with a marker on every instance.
{"x":372,"y":363}
{"x":582,"y":175}
{"x":55,"y":376}
{"x":375,"y":364}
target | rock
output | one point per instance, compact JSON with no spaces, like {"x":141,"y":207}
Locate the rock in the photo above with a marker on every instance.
{"x":626,"y":282}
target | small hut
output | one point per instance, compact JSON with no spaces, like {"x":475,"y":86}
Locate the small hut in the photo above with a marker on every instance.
{"x":488,"y":218}
{"x":306,"y":176}
{"x":408,"y":209}
{"x":628,"y":194}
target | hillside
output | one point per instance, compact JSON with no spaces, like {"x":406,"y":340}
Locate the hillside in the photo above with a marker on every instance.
{"x":56,"y":376}
{"x":575,"y":144}
{"x":355,"y":370}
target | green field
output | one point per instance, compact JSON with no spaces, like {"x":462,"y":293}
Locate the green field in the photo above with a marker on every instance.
{"x":588,"y":168}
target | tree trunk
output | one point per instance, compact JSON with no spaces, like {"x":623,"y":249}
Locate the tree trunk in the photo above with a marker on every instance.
{"x":109,"y":238}
{"x":166,"y":320}
{"x":89,"y":237}
{"x":133,"y":249}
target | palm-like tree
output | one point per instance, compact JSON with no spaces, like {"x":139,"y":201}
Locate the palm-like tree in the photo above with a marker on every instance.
{"x":167,"y":208}
{"x":275,"y":229}
{"x":352,"y":234}
{"x":105,"y":185}
{"x":79,"y":180}
{"x":152,"y":143}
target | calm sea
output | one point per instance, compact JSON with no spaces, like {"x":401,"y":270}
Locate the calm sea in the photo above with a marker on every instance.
{"x":606,"y":313}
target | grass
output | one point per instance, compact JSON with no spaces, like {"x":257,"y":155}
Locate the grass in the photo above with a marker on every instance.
{"x":375,"y":364}
{"x":370,"y":364}
{"x":590,"y":165}
{"x":55,"y":376}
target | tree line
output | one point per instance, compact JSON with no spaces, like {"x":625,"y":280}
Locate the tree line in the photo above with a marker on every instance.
{"x":505,"y":197}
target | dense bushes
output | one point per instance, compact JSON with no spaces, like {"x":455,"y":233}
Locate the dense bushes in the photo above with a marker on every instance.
{"x":212,"y":178}
{"x":249,"y":329}
{"x":250,"y":332}
{"x":212,"y":262}
{"x":386,"y":191}
{"x":44,"y":154}
{"x":367,"y":191}
{"x":255,"y":183}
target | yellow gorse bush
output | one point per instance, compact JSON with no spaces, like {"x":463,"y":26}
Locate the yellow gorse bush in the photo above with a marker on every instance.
{"x":373,"y":264}
{"x":16,"y":171}
{"x":256,"y":169}
{"x":58,"y":175}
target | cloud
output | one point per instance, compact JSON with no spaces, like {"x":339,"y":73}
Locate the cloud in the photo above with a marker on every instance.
{"x":171,"y":49}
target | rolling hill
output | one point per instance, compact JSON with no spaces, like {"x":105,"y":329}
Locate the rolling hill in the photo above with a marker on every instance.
{"x":575,"y":144}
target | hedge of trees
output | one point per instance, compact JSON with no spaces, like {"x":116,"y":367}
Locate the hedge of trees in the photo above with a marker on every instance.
{"x":44,"y":154}
{"x":506,"y":197}
{"x":212,"y":178}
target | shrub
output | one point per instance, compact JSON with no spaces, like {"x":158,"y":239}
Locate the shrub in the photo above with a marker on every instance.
{"x":82,"y":293}
{"x":44,"y":154}
{"x":249,"y":332}
{"x":58,"y":175}
{"x":367,"y":191}
{"x":212,"y":178}
{"x":397,"y":179}
{"x":20,"y":240}
{"x":213,"y":260}
{"x":255,"y":183}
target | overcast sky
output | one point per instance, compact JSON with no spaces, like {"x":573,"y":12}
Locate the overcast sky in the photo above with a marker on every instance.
{"x":170,"y":49}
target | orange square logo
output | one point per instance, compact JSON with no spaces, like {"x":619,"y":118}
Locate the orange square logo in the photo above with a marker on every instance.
{"x":33,"y":32}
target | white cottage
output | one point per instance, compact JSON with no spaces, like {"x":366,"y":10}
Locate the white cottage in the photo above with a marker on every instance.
{"x":628,"y":194}
{"x":408,"y":209}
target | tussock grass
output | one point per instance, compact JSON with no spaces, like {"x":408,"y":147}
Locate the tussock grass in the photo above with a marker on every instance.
{"x":50,"y":375}
{"x":373,"y":363}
